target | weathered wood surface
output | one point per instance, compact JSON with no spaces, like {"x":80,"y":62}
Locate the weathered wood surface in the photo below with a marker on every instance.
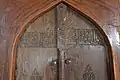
{"x":14,"y":14}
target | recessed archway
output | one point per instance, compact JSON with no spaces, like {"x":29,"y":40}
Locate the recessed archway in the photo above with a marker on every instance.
{"x":21,"y":32}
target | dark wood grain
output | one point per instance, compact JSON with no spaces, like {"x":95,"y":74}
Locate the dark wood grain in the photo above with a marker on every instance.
{"x":15,"y":14}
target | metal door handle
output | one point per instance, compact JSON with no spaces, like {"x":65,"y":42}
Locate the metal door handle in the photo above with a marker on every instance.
{"x":54,"y":62}
{"x":68,"y":61}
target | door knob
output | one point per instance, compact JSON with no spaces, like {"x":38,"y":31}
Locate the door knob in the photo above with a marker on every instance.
{"x":68,"y":61}
{"x":54,"y":62}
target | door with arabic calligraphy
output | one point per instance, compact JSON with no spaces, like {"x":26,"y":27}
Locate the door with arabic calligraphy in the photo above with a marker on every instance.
{"x":61,"y":45}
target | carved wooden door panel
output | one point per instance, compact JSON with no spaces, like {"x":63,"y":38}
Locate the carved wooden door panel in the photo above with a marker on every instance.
{"x":83,"y":47}
{"x":61,"y":45}
{"x":37,"y":49}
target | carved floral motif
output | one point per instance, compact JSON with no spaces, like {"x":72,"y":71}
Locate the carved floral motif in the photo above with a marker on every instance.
{"x":88,"y":73}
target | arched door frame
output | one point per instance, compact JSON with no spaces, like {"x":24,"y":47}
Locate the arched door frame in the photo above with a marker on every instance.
{"x":110,"y":65}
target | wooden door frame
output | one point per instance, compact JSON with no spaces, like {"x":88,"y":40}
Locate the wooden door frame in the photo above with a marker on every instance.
{"x":70,"y":3}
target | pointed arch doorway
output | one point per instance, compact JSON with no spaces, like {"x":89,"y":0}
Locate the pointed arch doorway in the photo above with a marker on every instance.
{"x":63,"y":45}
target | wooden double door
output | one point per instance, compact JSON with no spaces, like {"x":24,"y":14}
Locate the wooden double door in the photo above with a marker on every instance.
{"x":61,"y":45}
